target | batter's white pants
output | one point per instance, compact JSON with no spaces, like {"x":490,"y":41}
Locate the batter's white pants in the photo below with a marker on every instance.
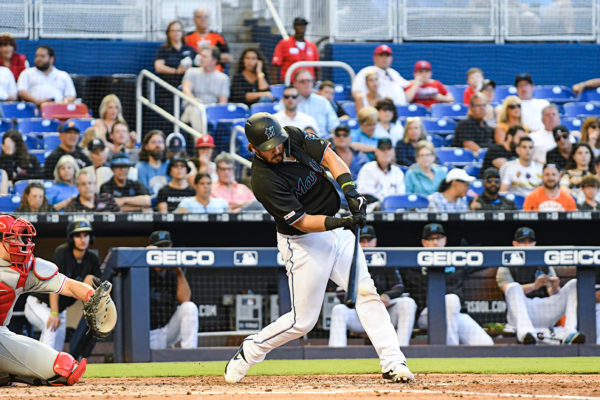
{"x":183,"y":326}
{"x":37,"y":313}
{"x":344,"y":319}
{"x":311,"y":260}
{"x":532,"y":314}
{"x":25,"y":357}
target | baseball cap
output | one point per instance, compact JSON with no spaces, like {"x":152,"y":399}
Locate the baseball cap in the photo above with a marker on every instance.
{"x":177,"y":159}
{"x":160,"y":237}
{"x":383,"y":48}
{"x":458,"y":174}
{"x":523,"y":77}
{"x":205,"y":141}
{"x":384,"y":144}
{"x":560,"y":130}
{"x":69,"y":126}
{"x":433,"y":229}
{"x":422,"y":64}
{"x":95,"y":144}
{"x":491,"y":171}
{"x":300,"y":21}
{"x":367,"y":232}
{"x":120,"y":160}
{"x":524,"y":232}
{"x":175,"y":142}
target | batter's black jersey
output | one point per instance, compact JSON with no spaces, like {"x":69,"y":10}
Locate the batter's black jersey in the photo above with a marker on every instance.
{"x":291,"y":189}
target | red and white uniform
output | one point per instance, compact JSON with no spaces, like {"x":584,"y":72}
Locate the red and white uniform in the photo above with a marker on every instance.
{"x":288,"y":52}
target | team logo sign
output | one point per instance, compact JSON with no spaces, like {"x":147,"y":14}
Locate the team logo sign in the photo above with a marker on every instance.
{"x":513,"y":258}
{"x":245,"y":258}
{"x":270,"y":132}
{"x":376,"y":258}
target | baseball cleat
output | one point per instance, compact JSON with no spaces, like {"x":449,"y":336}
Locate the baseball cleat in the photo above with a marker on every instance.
{"x":237,"y":367}
{"x":574,"y":338}
{"x":529,"y":338}
{"x":399,"y":374}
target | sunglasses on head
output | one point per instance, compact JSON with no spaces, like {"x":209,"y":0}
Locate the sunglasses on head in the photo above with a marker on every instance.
{"x":513,"y":106}
{"x":290,"y":96}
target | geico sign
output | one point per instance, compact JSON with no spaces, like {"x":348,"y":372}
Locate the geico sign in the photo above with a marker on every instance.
{"x":445,"y":258}
{"x":572,"y":257}
{"x":180,"y":257}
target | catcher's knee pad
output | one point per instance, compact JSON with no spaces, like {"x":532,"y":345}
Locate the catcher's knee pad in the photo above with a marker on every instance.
{"x":68,"y":370}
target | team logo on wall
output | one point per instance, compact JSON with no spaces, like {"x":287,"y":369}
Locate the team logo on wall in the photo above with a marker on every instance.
{"x":376,"y":258}
{"x":245,"y":258}
{"x":513,"y":258}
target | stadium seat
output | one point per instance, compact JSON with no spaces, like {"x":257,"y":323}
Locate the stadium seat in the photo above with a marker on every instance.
{"x":503,"y":91}
{"x":263,"y":107}
{"x":222,"y":134}
{"x":577,"y":109}
{"x":19,"y":110}
{"x":554,"y":93}
{"x":457,"y":91}
{"x":517,"y":199}
{"x":226,"y":111}
{"x":481,"y":154}
{"x":448,"y":140}
{"x":473,"y":169}
{"x":51,"y":141}
{"x":65,"y":111}
{"x":32,"y":141}
{"x":586,"y":95}
{"x":350,"y":108}
{"x":40,"y":154}
{"x":476,"y":187}
{"x":455,"y":156}
{"x":573,"y":124}
{"x":83,"y":123}
{"x":277,"y":91}
{"x":20,"y":186}
{"x":412,"y":110}
{"x":437,"y":141}
{"x":29,"y":125}
{"x":5,"y":124}
{"x":404,"y":202}
{"x":342,"y":93}
{"x":350,"y":123}
{"x":439,"y":126}
{"x":454,"y":110}
{"x":9,"y":202}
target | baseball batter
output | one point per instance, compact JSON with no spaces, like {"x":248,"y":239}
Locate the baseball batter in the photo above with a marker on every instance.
{"x":23,"y":359}
{"x":288,"y":178}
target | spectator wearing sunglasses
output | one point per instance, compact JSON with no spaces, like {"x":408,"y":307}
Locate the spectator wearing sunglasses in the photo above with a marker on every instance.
{"x":490,"y":199}
{"x":560,"y":154}
{"x":590,"y":133}
{"x":510,"y":115}
{"x":289,"y":115}
{"x":354,"y":159}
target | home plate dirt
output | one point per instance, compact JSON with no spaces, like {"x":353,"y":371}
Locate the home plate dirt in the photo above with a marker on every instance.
{"x":427,"y":386}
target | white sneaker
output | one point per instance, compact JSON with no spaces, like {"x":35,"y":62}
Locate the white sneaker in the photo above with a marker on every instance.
{"x":237,"y":367}
{"x":400,"y":373}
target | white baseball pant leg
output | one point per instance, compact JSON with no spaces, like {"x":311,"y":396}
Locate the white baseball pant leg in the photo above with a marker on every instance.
{"x":311,"y":260}
{"x":37,"y":313}
{"x":183,"y":326}
{"x":25,"y":357}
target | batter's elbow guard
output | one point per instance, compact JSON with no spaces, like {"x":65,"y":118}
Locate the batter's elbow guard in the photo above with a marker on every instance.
{"x":68,"y":371}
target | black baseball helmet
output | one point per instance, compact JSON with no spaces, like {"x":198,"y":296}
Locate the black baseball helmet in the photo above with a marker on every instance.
{"x":79,"y":225}
{"x":264,"y":132}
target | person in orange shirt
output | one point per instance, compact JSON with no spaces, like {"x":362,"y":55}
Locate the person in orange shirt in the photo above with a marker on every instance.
{"x":549,"y":196}
{"x":202,"y":37}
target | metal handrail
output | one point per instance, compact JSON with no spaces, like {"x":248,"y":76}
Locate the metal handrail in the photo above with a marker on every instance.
{"x":277,"y":19}
{"x":300,"y":64}
{"x":177,"y":95}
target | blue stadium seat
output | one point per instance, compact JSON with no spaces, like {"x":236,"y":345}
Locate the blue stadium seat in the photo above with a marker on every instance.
{"x":263,"y":107}
{"x":437,"y":140}
{"x":504,"y":91}
{"x":350,"y":108}
{"x":573,"y":124}
{"x":473,"y":169}
{"x":476,"y":187}
{"x":439,"y":126}
{"x":32,"y":141}
{"x":20,"y":186}
{"x":577,"y":109}
{"x":82,"y":123}
{"x":449,"y":139}
{"x":455,"y":156}
{"x":40,"y":154}
{"x":51,"y":141}
{"x":412,"y":110}
{"x":350,"y":123}
{"x":517,"y":199}
{"x":404,"y":202}
{"x":9,"y":202}
{"x":554,"y":93}
{"x":481,"y":154}
{"x":457,"y":92}
{"x":20,"y":110}
{"x":590,"y":95}
{"x":217,"y":112}
{"x":37,"y":125}
{"x":277,"y":91}
{"x":342,"y":93}
{"x":454,"y":110}
{"x":5,"y":124}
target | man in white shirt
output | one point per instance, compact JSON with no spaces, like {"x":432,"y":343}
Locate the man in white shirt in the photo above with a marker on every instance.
{"x":314,"y":105}
{"x":391,"y":83}
{"x":522,"y":175}
{"x":543,"y":140}
{"x":45,"y":83}
{"x":531,"y":109}
{"x":290,"y":116}
{"x":8,"y":86}
{"x":380,"y":178}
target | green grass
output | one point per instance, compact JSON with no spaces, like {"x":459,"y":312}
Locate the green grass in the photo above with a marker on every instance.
{"x":563,"y":365}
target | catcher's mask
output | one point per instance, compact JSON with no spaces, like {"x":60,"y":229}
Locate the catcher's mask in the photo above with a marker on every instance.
{"x":17,"y":240}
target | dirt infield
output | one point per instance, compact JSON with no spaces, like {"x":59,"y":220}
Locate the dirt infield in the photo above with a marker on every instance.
{"x":427,"y":386}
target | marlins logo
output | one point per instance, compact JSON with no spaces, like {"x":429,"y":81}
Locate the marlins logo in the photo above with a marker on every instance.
{"x":270,"y":132}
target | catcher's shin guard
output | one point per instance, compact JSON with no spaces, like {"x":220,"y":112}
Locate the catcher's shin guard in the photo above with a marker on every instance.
{"x":68,"y":370}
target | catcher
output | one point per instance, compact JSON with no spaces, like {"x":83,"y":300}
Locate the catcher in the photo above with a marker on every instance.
{"x":23,"y":359}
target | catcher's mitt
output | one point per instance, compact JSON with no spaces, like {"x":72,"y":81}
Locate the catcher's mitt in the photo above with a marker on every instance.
{"x":100,"y":312}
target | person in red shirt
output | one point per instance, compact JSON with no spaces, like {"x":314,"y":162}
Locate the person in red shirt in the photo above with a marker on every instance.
{"x":474,"y":82}
{"x":549,"y":196}
{"x":202,"y":37}
{"x":295,"y":48}
{"x":9,"y":58}
{"x":430,"y":91}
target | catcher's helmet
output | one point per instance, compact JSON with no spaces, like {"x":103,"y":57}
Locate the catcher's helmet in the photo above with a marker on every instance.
{"x":17,"y":239}
{"x":79,"y":225}
{"x":264,"y":132}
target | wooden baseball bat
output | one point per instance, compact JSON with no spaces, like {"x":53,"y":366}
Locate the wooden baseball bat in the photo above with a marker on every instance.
{"x":350,"y":299}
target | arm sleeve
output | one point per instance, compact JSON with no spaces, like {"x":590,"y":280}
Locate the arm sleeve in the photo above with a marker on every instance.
{"x":409,"y":182}
{"x":359,"y":84}
{"x":23,"y":81}
{"x":397,"y":288}
{"x":314,"y":147}
{"x":442,"y":89}
{"x":222,"y":45}
{"x":161,"y":53}
{"x":52,"y":285}
{"x":503,"y":276}
{"x":162,"y":195}
{"x":278,"y":199}
{"x":69,"y":86}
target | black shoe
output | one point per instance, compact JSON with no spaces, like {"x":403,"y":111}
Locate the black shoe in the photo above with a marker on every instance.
{"x":528,"y":339}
